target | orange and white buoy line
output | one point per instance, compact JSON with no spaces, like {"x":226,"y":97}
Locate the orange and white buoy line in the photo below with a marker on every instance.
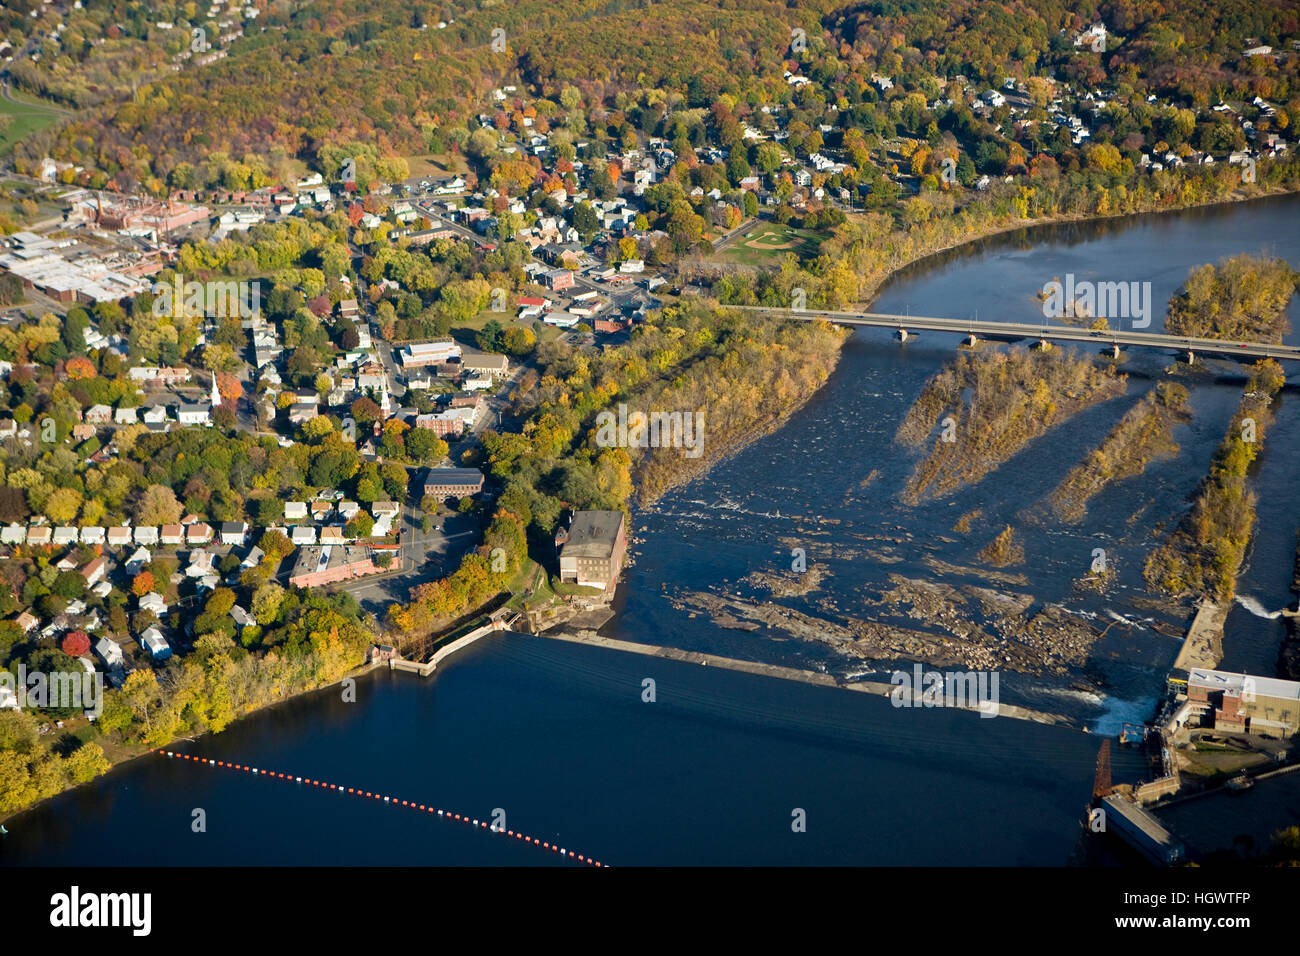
{"x":445,"y":814}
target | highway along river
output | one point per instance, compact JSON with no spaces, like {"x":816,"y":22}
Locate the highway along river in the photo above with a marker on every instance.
{"x":722,"y":766}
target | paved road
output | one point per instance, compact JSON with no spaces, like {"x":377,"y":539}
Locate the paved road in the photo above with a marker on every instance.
{"x":743,"y":230}
{"x":913,"y":323}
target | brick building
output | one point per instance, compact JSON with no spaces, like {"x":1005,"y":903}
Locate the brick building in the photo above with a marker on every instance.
{"x":592,"y":548}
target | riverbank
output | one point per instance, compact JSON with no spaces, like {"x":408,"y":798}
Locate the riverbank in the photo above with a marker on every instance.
{"x":120,"y":753}
{"x":871,"y":292}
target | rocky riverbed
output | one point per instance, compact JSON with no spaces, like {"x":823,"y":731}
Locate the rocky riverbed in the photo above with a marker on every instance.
{"x":932,"y":621}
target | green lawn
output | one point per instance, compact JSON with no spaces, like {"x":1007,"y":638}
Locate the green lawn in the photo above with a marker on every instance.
{"x":769,"y":243}
{"x":29,"y":116}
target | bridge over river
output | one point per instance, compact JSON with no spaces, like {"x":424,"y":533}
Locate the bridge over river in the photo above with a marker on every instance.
{"x":974,"y":330}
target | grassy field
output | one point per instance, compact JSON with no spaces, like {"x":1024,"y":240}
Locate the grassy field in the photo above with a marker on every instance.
{"x":465,"y":332}
{"x":21,"y":119}
{"x":769,"y":243}
{"x":436,"y":165}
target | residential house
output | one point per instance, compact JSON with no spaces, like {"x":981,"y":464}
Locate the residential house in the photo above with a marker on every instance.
{"x":138,"y":561}
{"x":199,"y":533}
{"x":94,"y":571}
{"x":233,"y":532}
{"x":171,"y":534}
{"x":153,"y":601}
{"x":153,"y":641}
{"x":110,"y":652}
{"x":200,"y":564}
{"x":332,"y":535}
{"x":65,"y":535}
{"x":300,"y":412}
{"x":371,"y":375}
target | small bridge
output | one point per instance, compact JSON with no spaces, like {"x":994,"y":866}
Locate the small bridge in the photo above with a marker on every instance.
{"x":907,"y":325}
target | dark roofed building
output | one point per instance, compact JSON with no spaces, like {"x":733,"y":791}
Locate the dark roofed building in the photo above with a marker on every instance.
{"x":444,"y":483}
{"x":593,"y":549}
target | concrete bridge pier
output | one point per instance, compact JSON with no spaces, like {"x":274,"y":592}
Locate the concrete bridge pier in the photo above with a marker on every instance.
{"x":902,"y":335}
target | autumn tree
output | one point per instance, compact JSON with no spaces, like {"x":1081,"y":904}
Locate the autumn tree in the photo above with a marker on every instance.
{"x":76,"y":644}
{"x":158,"y":506}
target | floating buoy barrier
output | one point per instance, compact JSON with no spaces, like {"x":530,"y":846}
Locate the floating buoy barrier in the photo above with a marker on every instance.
{"x":391,"y":801}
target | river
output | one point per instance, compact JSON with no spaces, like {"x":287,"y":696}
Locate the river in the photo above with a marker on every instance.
{"x":716,"y":768}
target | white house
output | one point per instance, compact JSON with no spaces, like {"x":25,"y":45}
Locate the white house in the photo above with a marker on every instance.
{"x":155,"y":643}
{"x":109,"y":652}
{"x":194,"y":414}
{"x":233,"y":532}
{"x":138,"y":561}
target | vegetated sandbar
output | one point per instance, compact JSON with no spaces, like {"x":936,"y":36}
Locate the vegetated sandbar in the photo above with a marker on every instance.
{"x":991,"y":405}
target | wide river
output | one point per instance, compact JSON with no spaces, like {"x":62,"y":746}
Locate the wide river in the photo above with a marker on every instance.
{"x":720,"y":766}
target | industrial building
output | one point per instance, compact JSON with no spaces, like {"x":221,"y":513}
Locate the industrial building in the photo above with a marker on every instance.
{"x":1267,"y":706}
{"x":1142,"y":831}
{"x":592,"y":548}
